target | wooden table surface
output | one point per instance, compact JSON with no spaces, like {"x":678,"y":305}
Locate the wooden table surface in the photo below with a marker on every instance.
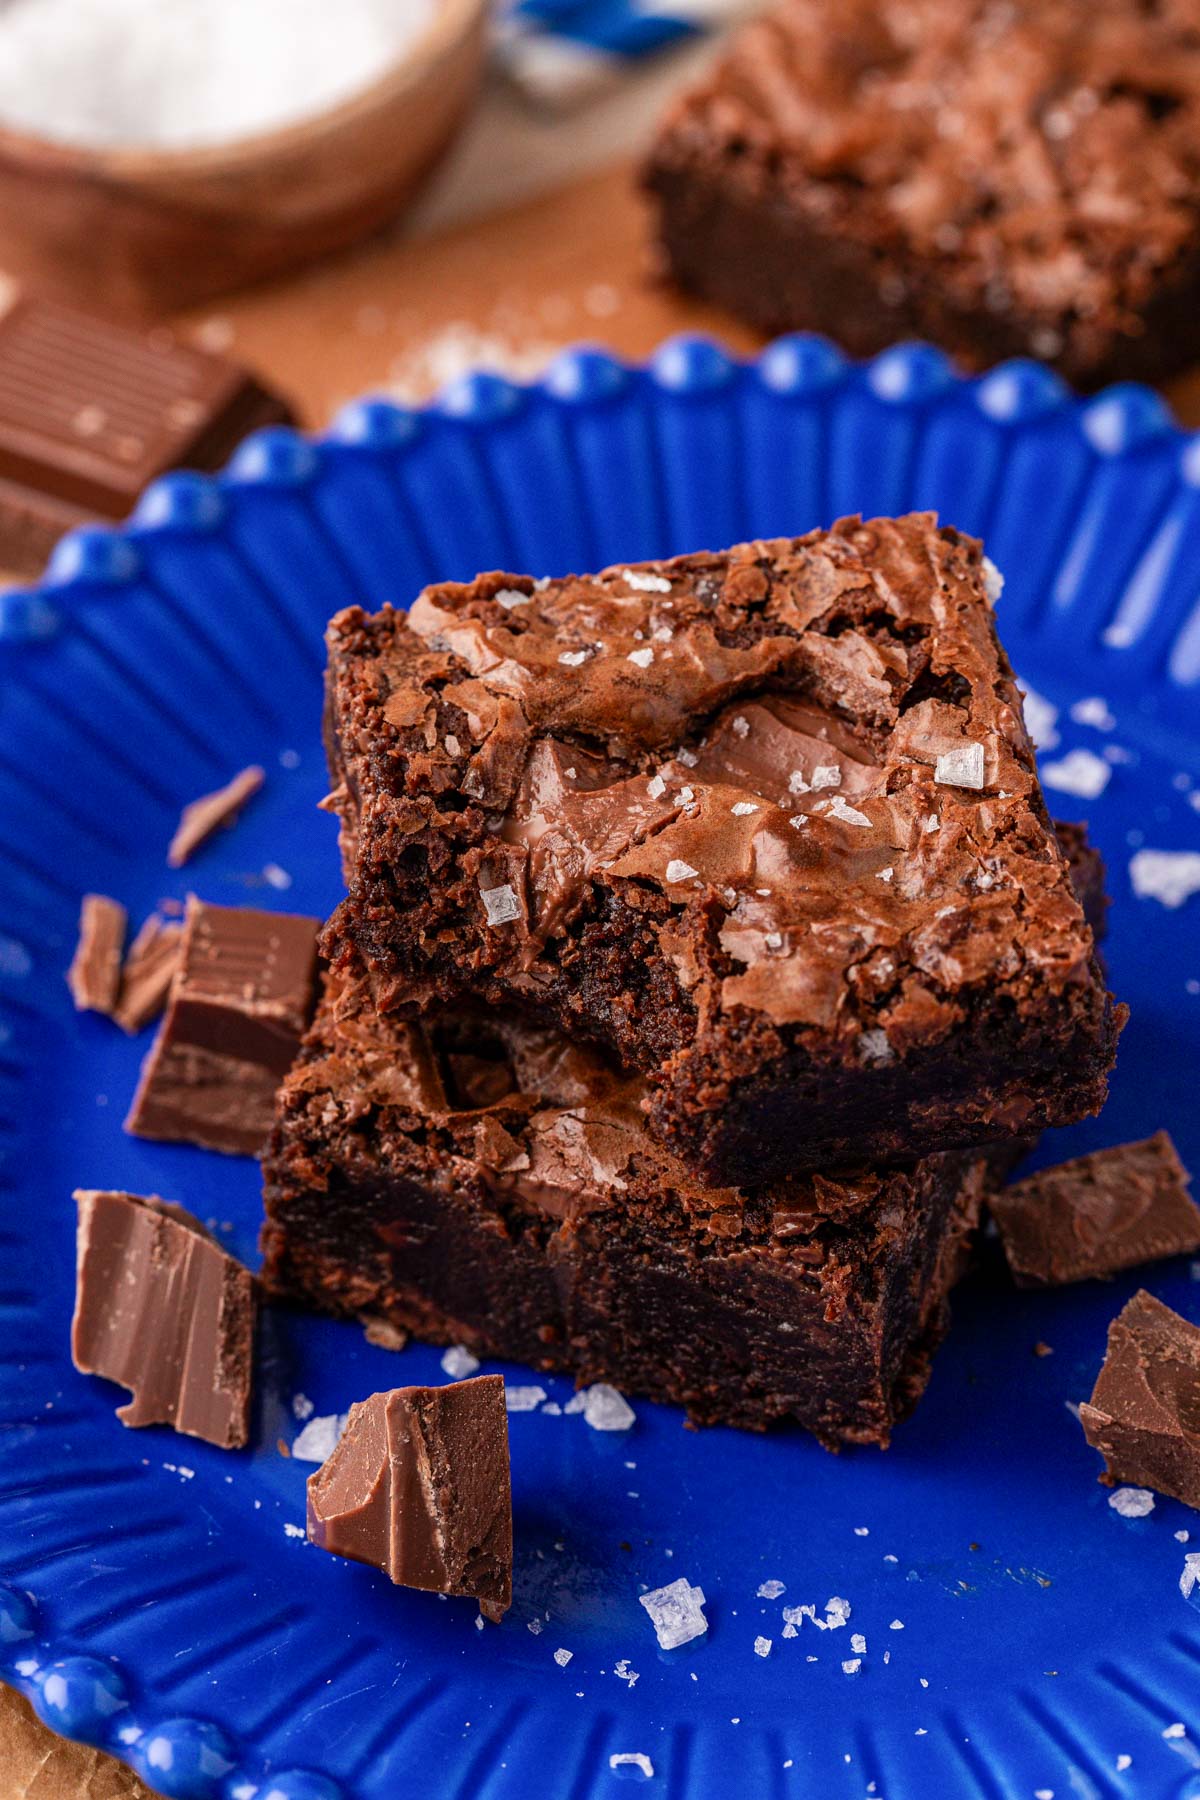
{"x":402,"y":315}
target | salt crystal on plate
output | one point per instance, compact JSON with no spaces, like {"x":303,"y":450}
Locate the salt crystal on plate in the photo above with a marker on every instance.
{"x":1132,"y":1502}
{"x":318,"y":1440}
{"x":458,"y":1361}
{"x":762,"y":1646}
{"x":1040,"y":719}
{"x":605,"y":1409}
{"x":771,"y":1590}
{"x":858,"y":1644}
{"x":676,"y":1613}
{"x":643,"y":658}
{"x":743,"y":808}
{"x":1181,"y":1537}
{"x":1093,"y":711}
{"x":1178,"y":1730}
{"x":646,"y":584}
{"x":1191,"y":1573}
{"x":837,"y":1611}
{"x":678,"y":870}
{"x":852,"y":1665}
{"x":789,"y":1630}
{"x":849,"y":815}
{"x":563,"y":1657}
{"x":623,"y":1672}
{"x":963,"y":767}
{"x":294,"y":1531}
{"x":501,"y":904}
{"x":1080,"y":772}
{"x":523,"y":1399}
{"x":535,"y":1625}
{"x":1169,"y":876}
{"x":636,"y":1759}
{"x":826,"y":775}
{"x":1123,"y":1762}
{"x":302,"y":1407}
{"x":896,"y":1625}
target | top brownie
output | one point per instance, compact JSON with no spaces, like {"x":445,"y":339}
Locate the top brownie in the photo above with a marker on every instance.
{"x":764,"y":822}
{"x":1004,"y":179}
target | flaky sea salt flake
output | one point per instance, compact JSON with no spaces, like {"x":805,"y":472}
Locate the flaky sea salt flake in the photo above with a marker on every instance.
{"x":1169,"y":876}
{"x":1131,"y":1502}
{"x":993,"y":581}
{"x":656,"y":787}
{"x":523,"y":1399}
{"x":741,"y":726}
{"x":1191,"y":1573}
{"x":605,"y":1409}
{"x":852,"y":1665}
{"x":826,"y":775}
{"x":678,"y":870}
{"x":962,"y":767}
{"x":762,"y":1646}
{"x":317,"y":1442}
{"x":743,"y":808}
{"x":858,"y":1644}
{"x":874,"y":1048}
{"x":1177,"y":1730}
{"x":458,"y":1361}
{"x":771,"y":1590}
{"x":849,"y":815}
{"x":501,"y":904}
{"x":837,"y":1612}
{"x":563,"y":1657}
{"x":510,"y":597}
{"x":571,"y":659}
{"x":1093,"y":710}
{"x":643,"y":658}
{"x":633,"y":1759}
{"x":1079,"y":772}
{"x":646,"y":584}
{"x":676,"y":1612}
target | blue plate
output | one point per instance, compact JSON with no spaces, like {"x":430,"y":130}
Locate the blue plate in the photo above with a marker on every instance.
{"x":1022,"y":1637}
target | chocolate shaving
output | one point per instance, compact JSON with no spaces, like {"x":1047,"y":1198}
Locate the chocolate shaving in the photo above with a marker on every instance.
{"x":149,"y":970}
{"x":162,"y":1309}
{"x":1144,"y":1414}
{"x":419,"y":1487}
{"x":202,"y":817}
{"x":1098,"y":1214}
{"x":238,"y":1008}
{"x":94,"y":977}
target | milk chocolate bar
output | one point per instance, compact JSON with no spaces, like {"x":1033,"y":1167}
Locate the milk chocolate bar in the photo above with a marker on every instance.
{"x":92,"y":411}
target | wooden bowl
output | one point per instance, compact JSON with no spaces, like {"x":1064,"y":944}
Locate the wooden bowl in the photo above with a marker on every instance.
{"x":148,"y":231}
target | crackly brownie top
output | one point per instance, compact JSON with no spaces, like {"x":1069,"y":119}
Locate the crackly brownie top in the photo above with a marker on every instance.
{"x":813,"y":749}
{"x":538,"y":1119}
{"x":1045,"y":152}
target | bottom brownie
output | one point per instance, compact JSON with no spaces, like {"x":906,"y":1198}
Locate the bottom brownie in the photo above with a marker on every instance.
{"x":485,"y":1182}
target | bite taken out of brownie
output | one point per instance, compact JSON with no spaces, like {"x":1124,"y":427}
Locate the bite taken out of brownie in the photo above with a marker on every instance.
{"x":479,"y":1180}
{"x":1016,"y":179}
{"x":765,"y":823}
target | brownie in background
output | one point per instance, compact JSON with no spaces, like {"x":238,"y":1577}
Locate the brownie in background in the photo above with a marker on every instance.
{"x":1017,"y":179}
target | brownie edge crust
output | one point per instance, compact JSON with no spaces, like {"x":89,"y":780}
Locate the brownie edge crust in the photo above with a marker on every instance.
{"x":481,"y":1181}
{"x":763,"y":823}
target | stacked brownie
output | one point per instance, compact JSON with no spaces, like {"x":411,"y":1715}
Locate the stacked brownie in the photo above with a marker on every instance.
{"x":706,"y":931}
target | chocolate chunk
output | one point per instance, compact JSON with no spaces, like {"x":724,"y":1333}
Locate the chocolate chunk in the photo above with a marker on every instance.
{"x":149,"y":970}
{"x":91,"y":412}
{"x":203,"y":817}
{"x":1096,"y":1214}
{"x":419,"y":1486}
{"x":94,"y":977}
{"x":162,"y":1309}
{"x":239,"y":1005}
{"x":1144,"y":1414}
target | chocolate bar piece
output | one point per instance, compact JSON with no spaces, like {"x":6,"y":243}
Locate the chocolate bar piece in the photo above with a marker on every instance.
{"x":478,"y":1179}
{"x":1097,"y":1214}
{"x":201,"y":818}
{"x":418,"y":1486}
{"x":92,"y":411}
{"x":1144,"y":1414}
{"x":162,"y":1309}
{"x":149,"y":970}
{"x":94,"y":977}
{"x":238,"y":1009}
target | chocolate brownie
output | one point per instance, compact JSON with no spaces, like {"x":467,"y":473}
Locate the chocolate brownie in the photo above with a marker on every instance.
{"x":480,"y":1180}
{"x":765,"y":823}
{"x":1005,"y":180}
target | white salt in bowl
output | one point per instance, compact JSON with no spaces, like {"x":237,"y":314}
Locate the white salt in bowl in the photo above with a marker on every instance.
{"x":149,"y":231}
